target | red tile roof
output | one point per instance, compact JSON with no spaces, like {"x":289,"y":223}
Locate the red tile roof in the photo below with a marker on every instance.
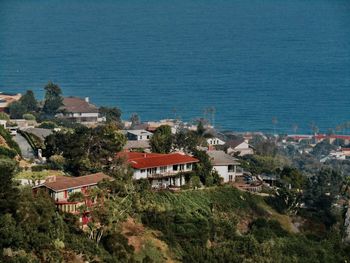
{"x":149,"y":160}
{"x":59,"y":183}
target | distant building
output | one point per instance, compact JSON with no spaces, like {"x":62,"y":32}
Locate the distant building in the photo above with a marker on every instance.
{"x":22,"y":123}
{"x":79,"y":110}
{"x":225,"y":165}
{"x":215,"y":141}
{"x":6,"y":99}
{"x":240,"y":146}
{"x":61,"y":187}
{"x":162,"y":170}
{"x":138,"y":135}
{"x":346,"y":151}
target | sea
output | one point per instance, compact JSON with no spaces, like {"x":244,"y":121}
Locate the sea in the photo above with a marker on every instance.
{"x":256,"y":65}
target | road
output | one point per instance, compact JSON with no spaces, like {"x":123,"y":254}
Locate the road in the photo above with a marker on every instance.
{"x":27,"y":151}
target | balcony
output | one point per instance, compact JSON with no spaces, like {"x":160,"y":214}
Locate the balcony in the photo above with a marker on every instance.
{"x":165,"y":174}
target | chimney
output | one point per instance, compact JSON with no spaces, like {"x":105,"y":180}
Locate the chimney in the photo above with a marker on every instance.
{"x":51,"y":179}
{"x":87,"y":99}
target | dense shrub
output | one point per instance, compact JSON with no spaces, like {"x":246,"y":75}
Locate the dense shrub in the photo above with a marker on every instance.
{"x":48,"y":125}
{"x":7,"y":152}
{"x":29,"y":117}
{"x":8,"y":138}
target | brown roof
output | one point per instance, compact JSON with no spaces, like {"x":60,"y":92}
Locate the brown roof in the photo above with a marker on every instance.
{"x":78,"y":105}
{"x":59,"y":183}
{"x":234,"y":143}
{"x":218,"y":158}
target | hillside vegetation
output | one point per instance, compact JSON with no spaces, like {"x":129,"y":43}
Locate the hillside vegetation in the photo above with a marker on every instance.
{"x":223,"y":224}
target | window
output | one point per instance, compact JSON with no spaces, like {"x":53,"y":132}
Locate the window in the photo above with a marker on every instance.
{"x":175,"y":167}
{"x":189,"y":166}
{"x":230,"y":178}
{"x":231,"y":168}
{"x":163,"y":169}
{"x":143,"y":170}
{"x":151,"y":170}
{"x":182,"y":167}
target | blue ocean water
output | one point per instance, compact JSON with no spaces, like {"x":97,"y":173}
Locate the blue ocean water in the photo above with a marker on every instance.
{"x":251,"y":60}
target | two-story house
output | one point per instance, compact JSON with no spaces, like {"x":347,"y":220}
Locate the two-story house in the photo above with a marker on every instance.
{"x":79,"y":110}
{"x":226,"y":165}
{"x":162,"y":170}
{"x":60,"y":188}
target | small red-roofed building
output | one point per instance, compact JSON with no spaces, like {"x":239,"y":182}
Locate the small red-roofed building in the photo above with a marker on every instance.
{"x":60,"y":188}
{"x":346,"y":151}
{"x":162,"y":170}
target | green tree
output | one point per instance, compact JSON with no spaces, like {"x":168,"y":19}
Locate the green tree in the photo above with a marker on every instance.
{"x":8,"y":192}
{"x":29,"y":102}
{"x":187,"y":140}
{"x":112,"y":115}
{"x":293,"y":177}
{"x":135,"y":120}
{"x":162,"y":140}
{"x":204,"y":169}
{"x":29,"y":117}
{"x":86,"y":149}
{"x":4,"y":116}
{"x":17,"y":110}
{"x":53,"y":99}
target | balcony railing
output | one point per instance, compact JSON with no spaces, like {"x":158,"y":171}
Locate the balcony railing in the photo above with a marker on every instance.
{"x":165,"y":174}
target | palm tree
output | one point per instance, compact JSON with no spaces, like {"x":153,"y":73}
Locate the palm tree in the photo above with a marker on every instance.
{"x":295,"y":128}
{"x":314,"y":128}
{"x":211,"y":112}
{"x":274,"y":122}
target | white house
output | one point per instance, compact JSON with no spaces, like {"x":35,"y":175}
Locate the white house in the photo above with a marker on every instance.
{"x":162,"y":170}
{"x":240,"y":146}
{"x":138,"y":135}
{"x":79,"y":110}
{"x":215,"y":141}
{"x":225,"y":165}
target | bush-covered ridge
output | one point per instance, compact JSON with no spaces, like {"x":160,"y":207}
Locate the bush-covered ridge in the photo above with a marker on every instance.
{"x":202,"y":226}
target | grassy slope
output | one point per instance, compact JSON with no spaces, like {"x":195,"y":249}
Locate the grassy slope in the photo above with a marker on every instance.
{"x":240,"y":207}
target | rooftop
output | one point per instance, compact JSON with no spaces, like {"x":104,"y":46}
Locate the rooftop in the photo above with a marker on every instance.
{"x":78,"y":105}
{"x":222,"y":158}
{"x":150,"y":160}
{"x":59,"y":183}
{"x":234,"y":143}
{"x":139,"y":132}
{"x":137,"y":144}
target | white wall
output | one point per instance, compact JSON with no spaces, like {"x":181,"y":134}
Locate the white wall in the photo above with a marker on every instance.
{"x":166,"y":182}
{"x":224,"y":173}
{"x":85,"y":114}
